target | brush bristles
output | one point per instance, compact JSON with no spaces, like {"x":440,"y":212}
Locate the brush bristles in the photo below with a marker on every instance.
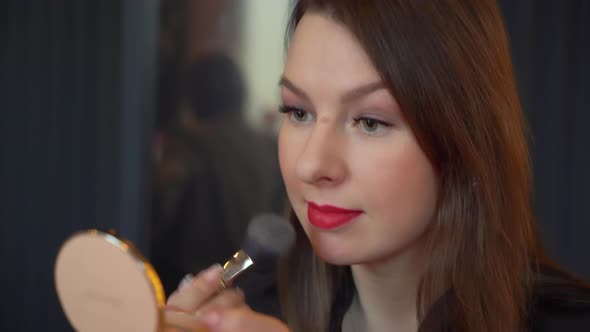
{"x":268,"y":235}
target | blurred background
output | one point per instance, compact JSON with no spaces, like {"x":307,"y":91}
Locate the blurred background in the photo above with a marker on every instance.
{"x":106,"y":122}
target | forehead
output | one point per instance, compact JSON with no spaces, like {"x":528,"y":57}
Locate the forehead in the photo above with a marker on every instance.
{"x":324,"y":52}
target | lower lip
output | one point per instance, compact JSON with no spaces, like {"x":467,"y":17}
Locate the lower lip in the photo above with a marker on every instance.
{"x":330,"y":220}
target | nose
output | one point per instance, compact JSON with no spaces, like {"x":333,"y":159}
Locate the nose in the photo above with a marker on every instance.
{"x":322,"y":160}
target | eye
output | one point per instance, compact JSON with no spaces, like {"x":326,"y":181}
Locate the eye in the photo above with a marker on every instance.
{"x":372,"y":127}
{"x":296,"y":114}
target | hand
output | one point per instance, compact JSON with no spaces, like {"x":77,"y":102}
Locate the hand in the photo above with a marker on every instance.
{"x":200,"y":304}
{"x":241,"y":319}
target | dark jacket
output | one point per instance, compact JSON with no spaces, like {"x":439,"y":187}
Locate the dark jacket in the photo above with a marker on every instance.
{"x":558,"y":304}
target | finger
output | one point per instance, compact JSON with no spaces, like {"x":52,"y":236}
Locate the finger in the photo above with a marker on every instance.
{"x":197,"y":291}
{"x":229,"y":298}
{"x":176,"y":321}
{"x":241,"y":319}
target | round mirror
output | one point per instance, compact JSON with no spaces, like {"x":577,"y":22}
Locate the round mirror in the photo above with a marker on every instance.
{"x":105,"y":284}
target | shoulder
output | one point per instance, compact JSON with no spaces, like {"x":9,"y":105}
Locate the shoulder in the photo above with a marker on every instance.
{"x":560,"y":303}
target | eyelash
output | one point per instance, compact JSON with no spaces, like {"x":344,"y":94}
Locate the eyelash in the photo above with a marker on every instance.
{"x":357,"y":121}
{"x":290,"y":110}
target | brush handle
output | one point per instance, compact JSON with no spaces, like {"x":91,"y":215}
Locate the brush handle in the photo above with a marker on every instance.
{"x":234,"y":267}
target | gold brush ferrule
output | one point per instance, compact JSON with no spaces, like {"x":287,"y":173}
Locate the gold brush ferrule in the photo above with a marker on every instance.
{"x":239,"y":263}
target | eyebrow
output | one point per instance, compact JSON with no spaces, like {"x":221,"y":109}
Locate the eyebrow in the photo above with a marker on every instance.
{"x":348,"y":97}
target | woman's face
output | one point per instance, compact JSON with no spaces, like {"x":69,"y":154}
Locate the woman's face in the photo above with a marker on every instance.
{"x":359,"y":183}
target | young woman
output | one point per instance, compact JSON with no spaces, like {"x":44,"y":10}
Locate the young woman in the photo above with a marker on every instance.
{"x":406,"y":165}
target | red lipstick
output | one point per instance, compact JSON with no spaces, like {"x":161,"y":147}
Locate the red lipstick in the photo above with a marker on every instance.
{"x":329,"y":217}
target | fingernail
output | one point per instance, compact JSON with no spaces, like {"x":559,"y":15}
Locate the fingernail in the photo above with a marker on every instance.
{"x":185,"y":281}
{"x":211,"y":318}
{"x":212,"y":273}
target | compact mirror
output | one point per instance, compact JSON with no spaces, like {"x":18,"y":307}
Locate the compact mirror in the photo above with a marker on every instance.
{"x":105,"y":284}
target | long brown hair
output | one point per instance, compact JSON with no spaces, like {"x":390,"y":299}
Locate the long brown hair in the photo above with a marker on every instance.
{"x":447,"y":62}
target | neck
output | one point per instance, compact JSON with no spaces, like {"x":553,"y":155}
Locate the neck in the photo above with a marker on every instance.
{"x":386,"y":293}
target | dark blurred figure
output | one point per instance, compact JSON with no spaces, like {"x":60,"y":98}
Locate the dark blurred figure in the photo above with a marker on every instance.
{"x":214,"y":174}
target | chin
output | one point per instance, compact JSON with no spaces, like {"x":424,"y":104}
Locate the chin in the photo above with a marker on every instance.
{"x":336,"y":248}
{"x":336,"y":254}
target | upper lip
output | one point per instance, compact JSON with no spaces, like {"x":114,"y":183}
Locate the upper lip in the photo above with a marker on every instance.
{"x":330,"y":208}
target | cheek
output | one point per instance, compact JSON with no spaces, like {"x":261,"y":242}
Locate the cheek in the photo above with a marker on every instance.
{"x":288,"y":152}
{"x":403,"y":191}
{"x":287,"y":160}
